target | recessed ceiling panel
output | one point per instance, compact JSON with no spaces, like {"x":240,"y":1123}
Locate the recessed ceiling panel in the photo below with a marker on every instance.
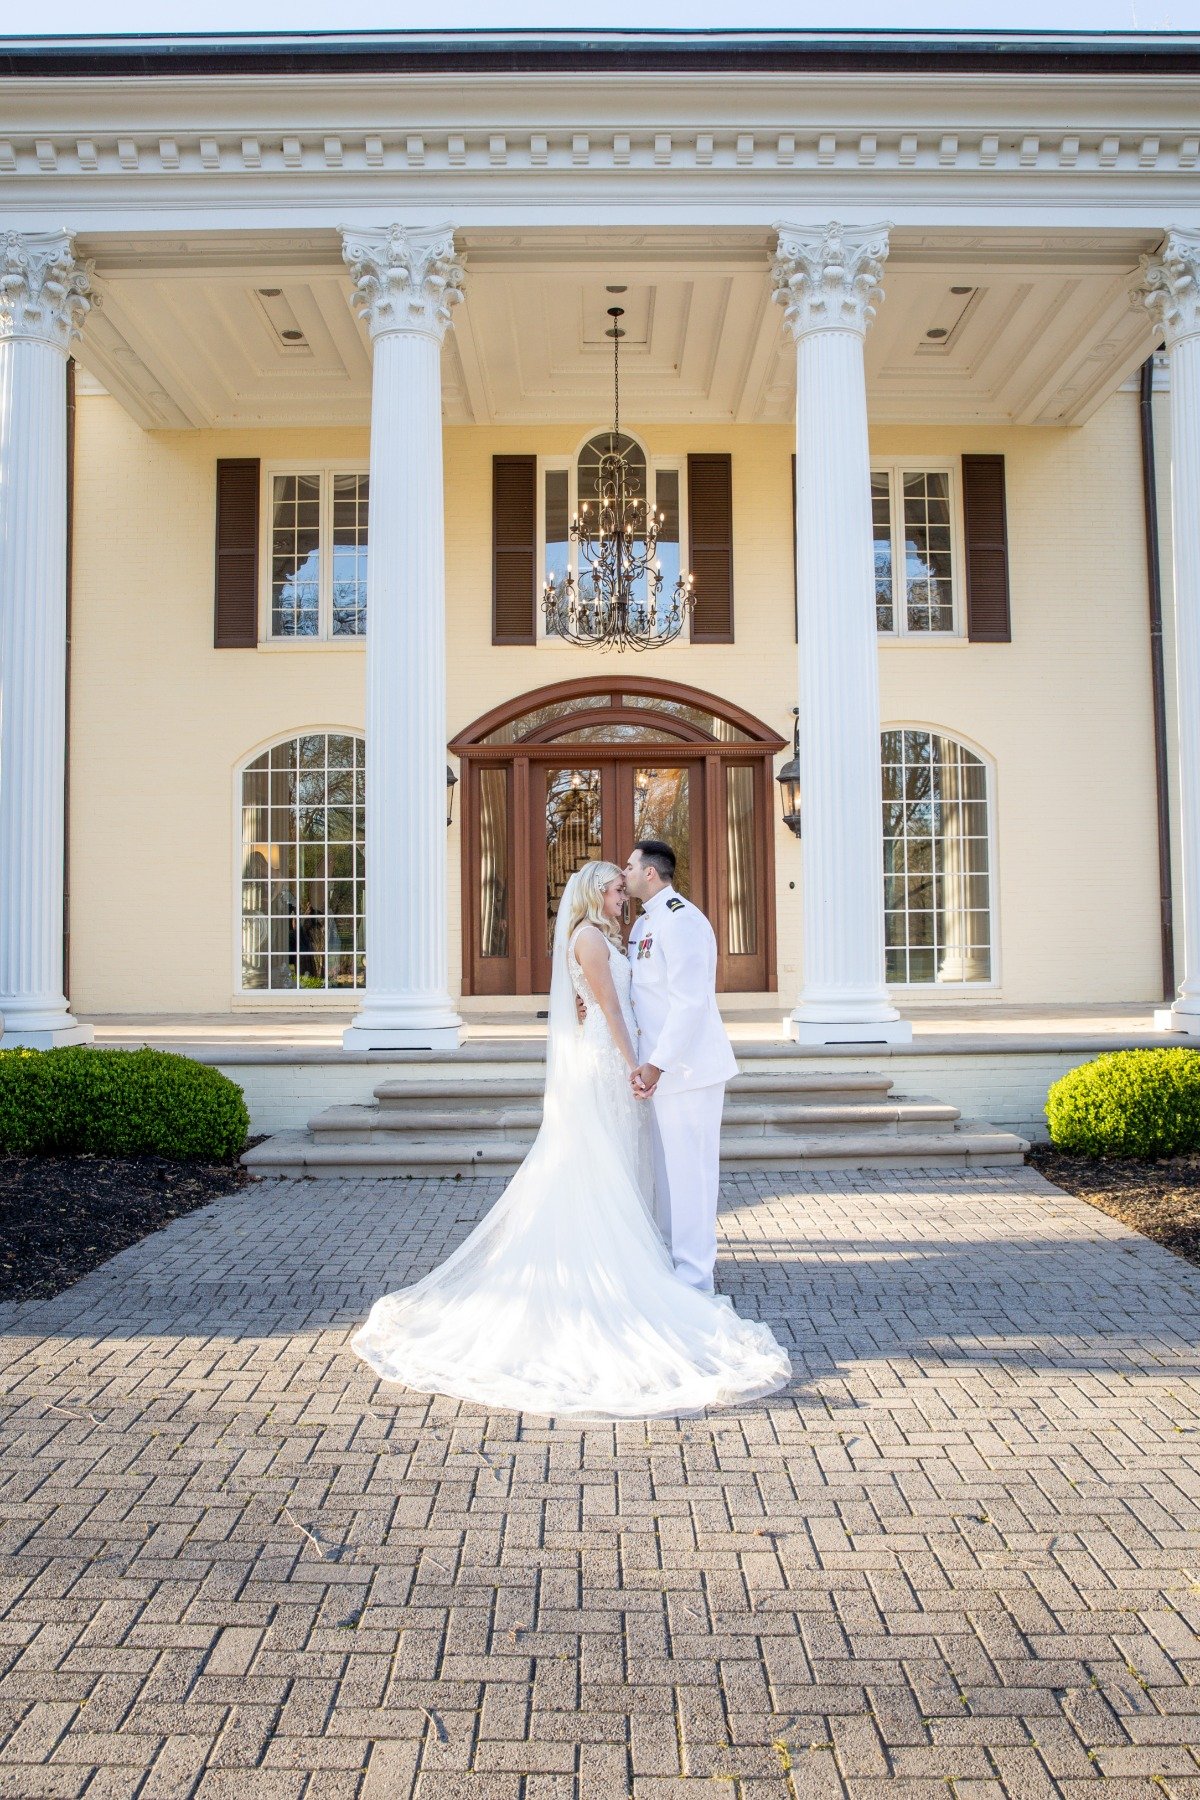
{"x":973,"y":326}
{"x":637,"y":317}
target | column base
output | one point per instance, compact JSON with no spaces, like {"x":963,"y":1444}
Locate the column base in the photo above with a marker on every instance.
{"x":433,"y":1025}
{"x":32,"y":1036}
{"x":378,"y":1037}
{"x":1173,"y":1018}
{"x":847,"y":1031}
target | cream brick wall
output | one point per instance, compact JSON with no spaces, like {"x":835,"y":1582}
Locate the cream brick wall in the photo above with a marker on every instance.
{"x":160,"y":720}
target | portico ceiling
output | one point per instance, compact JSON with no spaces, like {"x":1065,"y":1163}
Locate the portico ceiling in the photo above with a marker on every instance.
{"x":994,"y":326}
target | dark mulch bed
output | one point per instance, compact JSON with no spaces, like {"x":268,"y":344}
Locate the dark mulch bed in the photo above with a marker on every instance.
{"x":61,"y":1216}
{"x":1159,"y":1199}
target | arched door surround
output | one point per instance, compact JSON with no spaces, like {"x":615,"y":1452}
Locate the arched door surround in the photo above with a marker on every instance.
{"x":577,"y":771}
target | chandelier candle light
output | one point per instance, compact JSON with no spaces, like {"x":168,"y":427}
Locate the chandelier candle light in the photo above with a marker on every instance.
{"x":618,"y":602}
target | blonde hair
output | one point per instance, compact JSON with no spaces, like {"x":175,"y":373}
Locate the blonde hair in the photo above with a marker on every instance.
{"x":587,"y":901}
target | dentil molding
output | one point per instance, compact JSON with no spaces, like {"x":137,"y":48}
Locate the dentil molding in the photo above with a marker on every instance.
{"x":404,"y":280}
{"x":1171,"y":291}
{"x":827,"y":278}
{"x":260,"y":150}
{"x":45,"y":292}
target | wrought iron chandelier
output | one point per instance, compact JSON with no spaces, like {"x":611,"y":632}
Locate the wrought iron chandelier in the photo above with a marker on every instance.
{"x":618,"y":602}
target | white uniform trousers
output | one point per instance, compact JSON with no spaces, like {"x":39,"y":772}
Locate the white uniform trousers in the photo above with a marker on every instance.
{"x":687,"y":1159}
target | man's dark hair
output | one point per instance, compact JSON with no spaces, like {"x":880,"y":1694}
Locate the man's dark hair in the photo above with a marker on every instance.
{"x":660,"y":856}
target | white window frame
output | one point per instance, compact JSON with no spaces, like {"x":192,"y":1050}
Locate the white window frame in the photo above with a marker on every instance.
{"x":895,"y":468}
{"x":282,"y":1000}
{"x":546,"y":464}
{"x":324,"y":639}
{"x":954,"y":991}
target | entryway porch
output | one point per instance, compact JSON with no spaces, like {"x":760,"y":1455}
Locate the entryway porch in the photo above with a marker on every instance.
{"x":908,"y":377}
{"x":992,"y":1061}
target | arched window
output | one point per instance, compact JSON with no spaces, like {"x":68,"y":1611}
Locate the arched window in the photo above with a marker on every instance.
{"x":570,"y":484}
{"x":302,"y":864}
{"x":937,"y":873}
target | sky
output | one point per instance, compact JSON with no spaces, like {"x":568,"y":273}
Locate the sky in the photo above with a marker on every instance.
{"x":87,"y":17}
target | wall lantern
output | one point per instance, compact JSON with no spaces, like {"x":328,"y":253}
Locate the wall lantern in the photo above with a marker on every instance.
{"x":451,"y":784}
{"x":789,"y":781}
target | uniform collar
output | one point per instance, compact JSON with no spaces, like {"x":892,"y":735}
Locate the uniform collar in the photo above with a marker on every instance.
{"x":658,"y":900}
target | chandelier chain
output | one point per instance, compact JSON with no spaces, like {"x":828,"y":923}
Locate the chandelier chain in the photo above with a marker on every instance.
{"x":616,"y":338}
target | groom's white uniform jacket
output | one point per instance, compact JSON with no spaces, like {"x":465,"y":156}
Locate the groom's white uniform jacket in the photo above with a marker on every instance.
{"x":674,"y":956}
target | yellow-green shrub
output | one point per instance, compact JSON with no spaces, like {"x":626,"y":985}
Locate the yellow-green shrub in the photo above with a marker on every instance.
{"x":1128,"y":1103}
{"x":118,"y":1103}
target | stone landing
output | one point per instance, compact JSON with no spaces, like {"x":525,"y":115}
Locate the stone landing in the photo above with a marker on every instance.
{"x":454,"y":1121}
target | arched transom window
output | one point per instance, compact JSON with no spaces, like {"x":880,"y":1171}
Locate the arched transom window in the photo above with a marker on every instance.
{"x":303,"y":864}
{"x":936,"y":860}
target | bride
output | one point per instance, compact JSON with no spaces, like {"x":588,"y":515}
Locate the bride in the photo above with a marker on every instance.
{"x":564,"y":1299}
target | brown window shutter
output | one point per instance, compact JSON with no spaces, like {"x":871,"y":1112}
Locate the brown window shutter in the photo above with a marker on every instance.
{"x":514,"y":549}
{"x":235,"y":610}
{"x":710,"y":528}
{"x":986,"y":526}
{"x":795,"y":583}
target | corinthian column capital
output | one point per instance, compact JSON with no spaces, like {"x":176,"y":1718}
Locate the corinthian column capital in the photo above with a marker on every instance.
{"x":1171,"y":287}
{"x":827,"y":277}
{"x":404,"y":280}
{"x":45,"y":293}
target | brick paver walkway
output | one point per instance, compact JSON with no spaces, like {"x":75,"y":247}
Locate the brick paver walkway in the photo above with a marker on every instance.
{"x":961,"y":1555}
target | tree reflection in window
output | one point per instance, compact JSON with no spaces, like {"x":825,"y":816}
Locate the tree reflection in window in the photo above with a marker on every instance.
{"x":303,"y":864}
{"x":936,"y":860}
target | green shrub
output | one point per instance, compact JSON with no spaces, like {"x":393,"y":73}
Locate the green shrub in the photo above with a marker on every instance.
{"x":118,"y":1103}
{"x":1130,"y":1103}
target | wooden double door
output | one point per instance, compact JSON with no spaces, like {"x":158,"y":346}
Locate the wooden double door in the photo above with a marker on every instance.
{"x":579,"y":773}
{"x":596,"y":809}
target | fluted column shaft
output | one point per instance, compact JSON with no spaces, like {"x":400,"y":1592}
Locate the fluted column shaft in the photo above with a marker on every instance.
{"x":42,"y":300}
{"x":405,"y":285}
{"x":828,"y":280}
{"x":1172,"y":293}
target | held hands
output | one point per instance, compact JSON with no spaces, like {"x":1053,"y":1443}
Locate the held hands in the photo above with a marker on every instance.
{"x":643,"y":1080}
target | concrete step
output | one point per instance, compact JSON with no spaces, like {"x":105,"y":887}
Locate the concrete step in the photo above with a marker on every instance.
{"x":807,"y":1118}
{"x":487,"y":1091}
{"x":972,"y":1143}
{"x":351,"y":1124}
{"x":519,"y":1123}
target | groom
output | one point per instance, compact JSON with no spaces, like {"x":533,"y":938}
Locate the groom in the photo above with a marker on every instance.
{"x":685,"y":1056}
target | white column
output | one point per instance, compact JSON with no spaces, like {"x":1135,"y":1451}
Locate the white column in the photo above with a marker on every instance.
{"x":43,"y":300}
{"x":827,"y":279}
{"x":405,"y":283}
{"x":1172,"y":293}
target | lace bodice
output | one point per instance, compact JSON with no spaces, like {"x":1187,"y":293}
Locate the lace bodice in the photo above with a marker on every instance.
{"x":622,"y":975}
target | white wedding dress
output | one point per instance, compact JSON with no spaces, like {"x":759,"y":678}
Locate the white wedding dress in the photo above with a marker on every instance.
{"x":563,"y":1299}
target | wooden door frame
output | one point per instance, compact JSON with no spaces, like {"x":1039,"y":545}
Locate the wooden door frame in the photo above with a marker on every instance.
{"x":688,"y":744}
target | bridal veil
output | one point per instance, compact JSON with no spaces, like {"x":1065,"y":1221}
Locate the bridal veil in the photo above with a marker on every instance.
{"x":563,"y":1299}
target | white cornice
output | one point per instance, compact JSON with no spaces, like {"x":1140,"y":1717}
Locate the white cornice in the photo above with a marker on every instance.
{"x":482,"y":145}
{"x":180,"y":157}
{"x":615,"y":96}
